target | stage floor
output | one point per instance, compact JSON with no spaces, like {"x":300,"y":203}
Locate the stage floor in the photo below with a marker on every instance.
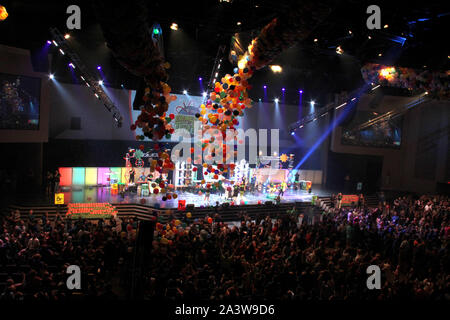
{"x":103,"y":195}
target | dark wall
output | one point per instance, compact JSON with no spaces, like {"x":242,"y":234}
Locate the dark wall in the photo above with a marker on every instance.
{"x":360,"y":168}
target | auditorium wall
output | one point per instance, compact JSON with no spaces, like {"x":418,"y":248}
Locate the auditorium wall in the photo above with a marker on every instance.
{"x":422,"y":161}
{"x":79,"y":122}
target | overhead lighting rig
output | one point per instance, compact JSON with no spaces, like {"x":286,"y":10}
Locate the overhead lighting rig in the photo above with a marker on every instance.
{"x":92,"y":82}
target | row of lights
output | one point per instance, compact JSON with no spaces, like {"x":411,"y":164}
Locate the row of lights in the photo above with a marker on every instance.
{"x":52,"y":76}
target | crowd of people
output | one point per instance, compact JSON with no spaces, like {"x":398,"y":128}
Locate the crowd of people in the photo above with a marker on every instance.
{"x":286,"y":259}
{"x":268,"y":258}
{"x":35,"y":252}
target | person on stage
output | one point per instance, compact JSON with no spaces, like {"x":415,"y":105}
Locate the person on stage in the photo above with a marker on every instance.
{"x":242,"y":189}
{"x":282,"y":189}
{"x":207,"y":195}
{"x":235,"y":192}
{"x":132,"y":174}
{"x":142,"y":177}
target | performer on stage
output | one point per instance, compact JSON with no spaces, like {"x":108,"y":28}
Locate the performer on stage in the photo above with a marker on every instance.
{"x":282,"y":189}
{"x":242,"y":188}
{"x":235,"y":192}
{"x":142,"y":177}
{"x":132,"y":174}
{"x":207,"y":195}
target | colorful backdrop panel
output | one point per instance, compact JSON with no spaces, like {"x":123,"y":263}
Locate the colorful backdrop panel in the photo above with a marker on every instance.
{"x":78,"y":176}
{"x":91,"y":176}
{"x":102,"y":176}
{"x":66,"y":176}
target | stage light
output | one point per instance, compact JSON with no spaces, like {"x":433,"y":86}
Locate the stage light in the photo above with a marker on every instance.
{"x":82,"y":78}
{"x":276,"y":68}
{"x":242,"y":62}
{"x":3,"y":13}
{"x":185,"y":92}
{"x":62,"y":52}
{"x":340,"y":106}
{"x":300,"y":91}
{"x":49,"y":42}
{"x":72,"y":65}
{"x":369,"y":37}
{"x":174,"y":26}
{"x":200,"y":79}
{"x":99,"y":67}
{"x":97,"y":96}
{"x":283,"y":89}
{"x":218,"y":67}
{"x":66,"y":36}
{"x":386,"y":26}
{"x":275,"y":154}
{"x":377,"y":86}
{"x":238,"y":23}
{"x":155,"y":31}
{"x":122,"y":85}
{"x":292,"y":133}
{"x":265,"y":87}
{"x":315,"y":40}
{"x":54,"y":42}
{"x":204,"y":94}
{"x":380,"y":54}
{"x":339,"y":50}
{"x":312,"y":103}
{"x":301,"y":126}
{"x":259,"y":99}
{"x":51,"y":76}
{"x":426,"y":92}
{"x":350,"y":31}
{"x":276,"y":100}
{"x":100,"y":82}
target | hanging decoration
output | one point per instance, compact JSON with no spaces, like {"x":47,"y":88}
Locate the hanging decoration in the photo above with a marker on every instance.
{"x":437,"y":84}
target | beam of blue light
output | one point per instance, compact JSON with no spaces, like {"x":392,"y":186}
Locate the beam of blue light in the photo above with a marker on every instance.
{"x":338,"y":119}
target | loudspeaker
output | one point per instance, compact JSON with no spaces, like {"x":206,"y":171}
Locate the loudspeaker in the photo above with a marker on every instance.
{"x":142,"y":257}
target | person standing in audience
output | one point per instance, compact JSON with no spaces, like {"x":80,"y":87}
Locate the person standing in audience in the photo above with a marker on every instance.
{"x":56,"y":179}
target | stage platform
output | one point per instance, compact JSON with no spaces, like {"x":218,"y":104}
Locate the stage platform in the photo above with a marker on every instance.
{"x":96,"y":194}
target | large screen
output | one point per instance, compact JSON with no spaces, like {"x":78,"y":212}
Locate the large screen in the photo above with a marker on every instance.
{"x":19,"y":102}
{"x":387,"y":134}
{"x":184,"y":110}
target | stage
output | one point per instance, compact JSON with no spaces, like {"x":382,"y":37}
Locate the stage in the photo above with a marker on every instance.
{"x":94,"y":194}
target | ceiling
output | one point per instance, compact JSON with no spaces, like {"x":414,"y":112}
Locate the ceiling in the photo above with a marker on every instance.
{"x":314,"y":67}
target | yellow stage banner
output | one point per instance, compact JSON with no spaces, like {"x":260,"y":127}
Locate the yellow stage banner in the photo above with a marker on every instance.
{"x":59,"y":198}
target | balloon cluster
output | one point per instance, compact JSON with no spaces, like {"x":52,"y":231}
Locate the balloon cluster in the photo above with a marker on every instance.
{"x":3,"y":13}
{"x":230,"y":97}
{"x":152,"y":119}
{"x":436,"y":83}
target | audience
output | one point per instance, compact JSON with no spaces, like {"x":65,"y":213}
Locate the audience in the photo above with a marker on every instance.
{"x":36,"y":251}
{"x":284,"y":258}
